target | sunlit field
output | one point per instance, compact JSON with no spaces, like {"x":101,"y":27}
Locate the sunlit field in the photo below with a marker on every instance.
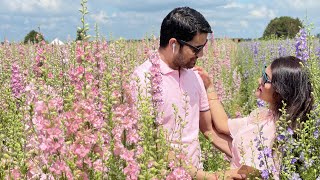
{"x":66,"y":110}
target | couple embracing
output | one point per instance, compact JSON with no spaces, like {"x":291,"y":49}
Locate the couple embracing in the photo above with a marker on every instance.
{"x":183,"y":36}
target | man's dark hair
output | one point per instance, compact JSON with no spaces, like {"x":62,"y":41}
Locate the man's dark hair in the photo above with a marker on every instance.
{"x":182,"y":23}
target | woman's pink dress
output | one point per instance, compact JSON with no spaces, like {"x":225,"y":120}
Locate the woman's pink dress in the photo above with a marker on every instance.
{"x":245,"y":132}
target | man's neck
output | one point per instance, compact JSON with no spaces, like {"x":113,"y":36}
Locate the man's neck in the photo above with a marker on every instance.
{"x":167,"y":59}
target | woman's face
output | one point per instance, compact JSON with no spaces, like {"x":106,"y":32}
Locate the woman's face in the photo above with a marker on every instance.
{"x":265,"y":90}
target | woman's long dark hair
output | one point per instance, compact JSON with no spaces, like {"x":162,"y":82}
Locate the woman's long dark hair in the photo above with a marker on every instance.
{"x":291,"y":83}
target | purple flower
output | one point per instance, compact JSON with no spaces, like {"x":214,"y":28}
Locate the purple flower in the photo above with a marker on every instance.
{"x":316,"y":133}
{"x":265,"y":174}
{"x":295,"y":176}
{"x":294,"y":160}
{"x":281,"y":137}
{"x":282,"y":50}
{"x":268,"y":152}
{"x":261,"y":163}
{"x":290,"y":131}
{"x":260,"y":103}
{"x":301,"y":157}
{"x":301,"y":45}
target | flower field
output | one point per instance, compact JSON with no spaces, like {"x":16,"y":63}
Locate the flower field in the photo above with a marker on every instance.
{"x":66,"y":111}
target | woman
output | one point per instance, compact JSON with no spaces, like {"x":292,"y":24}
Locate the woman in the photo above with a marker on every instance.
{"x":285,"y":81}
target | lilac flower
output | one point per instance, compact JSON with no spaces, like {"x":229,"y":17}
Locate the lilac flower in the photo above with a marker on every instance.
{"x":316,"y":133}
{"x":318,"y":52}
{"x":260,"y":103}
{"x":295,"y":176}
{"x":301,"y":45}
{"x":301,"y":157}
{"x":281,"y":137}
{"x":294,"y":160}
{"x":265,"y":174}
{"x":290,"y":131}
{"x":282,"y":50}
{"x":268,"y":152}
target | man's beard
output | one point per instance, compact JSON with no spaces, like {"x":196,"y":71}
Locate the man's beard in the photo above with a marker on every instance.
{"x":180,"y":63}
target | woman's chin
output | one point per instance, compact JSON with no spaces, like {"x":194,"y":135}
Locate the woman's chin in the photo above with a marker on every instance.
{"x":257,"y":93}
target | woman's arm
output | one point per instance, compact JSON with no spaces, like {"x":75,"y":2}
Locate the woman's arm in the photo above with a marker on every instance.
{"x":218,"y":114}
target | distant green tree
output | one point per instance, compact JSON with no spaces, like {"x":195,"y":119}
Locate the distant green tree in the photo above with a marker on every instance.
{"x":33,"y":38}
{"x":318,"y":35}
{"x":282,"y":27}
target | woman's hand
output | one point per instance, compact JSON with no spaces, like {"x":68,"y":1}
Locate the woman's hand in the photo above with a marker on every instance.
{"x":232,"y":174}
{"x":204,"y":76}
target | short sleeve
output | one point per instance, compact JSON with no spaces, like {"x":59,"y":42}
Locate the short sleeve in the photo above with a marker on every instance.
{"x":204,"y":103}
{"x":236,"y":124}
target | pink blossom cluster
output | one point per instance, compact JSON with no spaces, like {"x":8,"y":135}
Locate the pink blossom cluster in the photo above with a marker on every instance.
{"x":17,"y":84}
{"x":156,"y":82}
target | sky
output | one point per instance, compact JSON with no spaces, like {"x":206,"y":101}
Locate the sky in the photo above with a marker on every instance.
{"x":138,"y":19}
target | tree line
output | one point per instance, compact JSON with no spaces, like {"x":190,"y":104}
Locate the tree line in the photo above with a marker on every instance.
{"x":279,"y":27}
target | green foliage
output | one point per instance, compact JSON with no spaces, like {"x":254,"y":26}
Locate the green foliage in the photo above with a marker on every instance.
{"x":82,"y":31}
{"x":33,"y":37}
{"x":284,"y":26}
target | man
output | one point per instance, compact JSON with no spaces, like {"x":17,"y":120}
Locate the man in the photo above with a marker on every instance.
{"x":183,"y":35}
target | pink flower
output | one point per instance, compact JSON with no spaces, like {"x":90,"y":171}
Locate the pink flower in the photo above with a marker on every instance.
{"x":132,"y":170}
{"x":132,"y":136}
{"x":15,"y":174}
{"x":40,"y":107}
{"x":17,"y":86}
{"x":179,"y":173}
{"x":127,"y":155}
{"x":58,"y":167}
{"x":81,"y":150}
{"x":98,"y":165}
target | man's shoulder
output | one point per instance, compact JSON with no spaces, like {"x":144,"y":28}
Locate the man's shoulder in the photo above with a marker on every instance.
{"x":191,"y":73}
{"x":141,"y":70}
{"x":144,"y":67}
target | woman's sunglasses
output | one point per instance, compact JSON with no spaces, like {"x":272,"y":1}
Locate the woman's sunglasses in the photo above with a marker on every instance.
{"x":265,"y":78}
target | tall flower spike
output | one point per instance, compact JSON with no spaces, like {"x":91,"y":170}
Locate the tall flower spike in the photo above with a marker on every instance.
{"x":302,"y":45}
{"x":156,"y":81}
{"x":16,"y":81}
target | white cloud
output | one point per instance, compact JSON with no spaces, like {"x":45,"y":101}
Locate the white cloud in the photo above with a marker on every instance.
{"x":29,"y":6}
{"x":100,"y":18}
{"x":26,"y":21}
{"x":244,"y":24}
{"x":262,"y":12}
{"x":301,"y":4}
{"x":5,"y":26}
{"x":233,"y":5}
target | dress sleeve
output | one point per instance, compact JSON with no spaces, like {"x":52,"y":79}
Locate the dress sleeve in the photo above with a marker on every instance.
{"x":236,"y":124}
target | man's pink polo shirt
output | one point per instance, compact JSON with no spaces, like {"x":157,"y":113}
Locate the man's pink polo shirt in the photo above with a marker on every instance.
{"x":187,"y":93}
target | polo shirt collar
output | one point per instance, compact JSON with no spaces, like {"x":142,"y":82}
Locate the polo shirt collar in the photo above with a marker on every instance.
{"x":164,"y":68}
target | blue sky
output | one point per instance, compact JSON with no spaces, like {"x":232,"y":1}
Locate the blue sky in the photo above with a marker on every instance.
{"x":136,"y":19}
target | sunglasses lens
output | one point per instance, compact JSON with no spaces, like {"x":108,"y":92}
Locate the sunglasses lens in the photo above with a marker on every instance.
{"x":265,"y":78}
